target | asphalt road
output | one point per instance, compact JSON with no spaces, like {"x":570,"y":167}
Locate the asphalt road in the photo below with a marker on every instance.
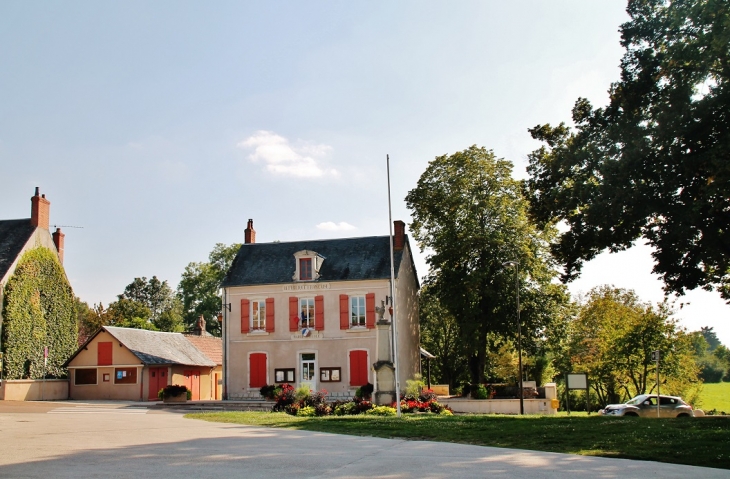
{"x":118,"y":440}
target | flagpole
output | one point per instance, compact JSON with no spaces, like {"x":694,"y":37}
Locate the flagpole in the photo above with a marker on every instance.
{"x":392,"y":297}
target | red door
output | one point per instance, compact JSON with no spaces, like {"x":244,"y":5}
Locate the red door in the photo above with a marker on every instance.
{"x":192,"y":382}
{"x":158,"y":380}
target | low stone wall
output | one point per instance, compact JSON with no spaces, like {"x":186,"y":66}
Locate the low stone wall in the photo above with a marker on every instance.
{"x":34,"y":390}
{"x":499,"y":406}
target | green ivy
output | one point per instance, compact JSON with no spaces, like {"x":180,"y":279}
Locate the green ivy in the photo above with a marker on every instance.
{"x":38,"y":312}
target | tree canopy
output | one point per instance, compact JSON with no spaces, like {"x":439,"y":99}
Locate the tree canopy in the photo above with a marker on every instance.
{"x":470,"y":214}
{"x":612,"y":339}
{"x":200,"y":284}
{"x":653,"y":163}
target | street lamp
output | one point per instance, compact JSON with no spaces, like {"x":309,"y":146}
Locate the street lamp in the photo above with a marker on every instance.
{"x":516,"y":264}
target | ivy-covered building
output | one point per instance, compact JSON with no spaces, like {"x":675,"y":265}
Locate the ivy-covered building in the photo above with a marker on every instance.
{"x":37,"y":316}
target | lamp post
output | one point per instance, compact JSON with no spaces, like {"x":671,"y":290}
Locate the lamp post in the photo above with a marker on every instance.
{"x":516,"y":264}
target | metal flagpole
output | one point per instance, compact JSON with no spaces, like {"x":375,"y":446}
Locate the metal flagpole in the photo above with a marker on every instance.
{"x":392,"y":297}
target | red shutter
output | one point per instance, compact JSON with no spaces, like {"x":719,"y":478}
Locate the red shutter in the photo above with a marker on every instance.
{"x":358,"y":368}
{"x":104,"y":354}
{"x":257,"y":370}
{"x":319,"y":313}
{"x":370,"y":310}
{"x":293,"y":314}
{"x":270,"y":315}
{"x":344,"y":311}
{"x":245,"y":318}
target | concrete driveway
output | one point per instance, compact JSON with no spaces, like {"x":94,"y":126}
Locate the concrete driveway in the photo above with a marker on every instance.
{"x":60,"y":440}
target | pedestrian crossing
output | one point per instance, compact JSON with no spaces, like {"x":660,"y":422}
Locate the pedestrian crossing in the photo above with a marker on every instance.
{"x":98,"y":410}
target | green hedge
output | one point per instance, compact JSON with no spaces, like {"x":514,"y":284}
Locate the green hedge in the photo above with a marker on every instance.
{"x":38,"y":311}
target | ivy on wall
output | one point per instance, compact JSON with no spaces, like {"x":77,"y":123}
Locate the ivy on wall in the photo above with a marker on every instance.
{"x":38,"y":312}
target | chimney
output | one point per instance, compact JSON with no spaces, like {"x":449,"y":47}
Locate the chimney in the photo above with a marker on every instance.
{"x":39,"y":210}
{"x":199,"y":329}
{"x":250,"y":233}
{"x":58,"y":241}
{"x":399,"y":235}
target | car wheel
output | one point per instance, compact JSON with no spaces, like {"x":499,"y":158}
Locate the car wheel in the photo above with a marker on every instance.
{"x":684,"y":414}
{"x":631,"y":414}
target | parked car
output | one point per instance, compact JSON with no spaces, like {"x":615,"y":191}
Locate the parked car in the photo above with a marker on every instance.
{"x":645,"y":405}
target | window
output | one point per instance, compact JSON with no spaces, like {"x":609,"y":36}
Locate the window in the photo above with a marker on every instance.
{"x":329,"y":375}
{"x":308,"y":366}
{"x":84,"y":376}
{"x":257,"y":370}
{"x":358,"y":367}
{"x":305,"y":269}
{"x":306,"y":312}
{"x":284,"y":375}
{"x":125,"y":375}
{"x":258,"y":315}
{"x":357,"y":311}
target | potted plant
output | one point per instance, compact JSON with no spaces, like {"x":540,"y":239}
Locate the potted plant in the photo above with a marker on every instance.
{"x":175,"y":393}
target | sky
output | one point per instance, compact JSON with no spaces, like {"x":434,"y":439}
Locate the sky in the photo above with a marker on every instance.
{"x":156,"y":129}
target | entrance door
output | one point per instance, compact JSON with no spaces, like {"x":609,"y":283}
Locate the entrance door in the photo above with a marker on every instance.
{"x":158,"y":380}
{"x":308,"y":368}
{"x":192,"y":382}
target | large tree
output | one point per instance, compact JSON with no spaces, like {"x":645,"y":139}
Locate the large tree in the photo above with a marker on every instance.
{"x":470,"y":215}
{"x":654,"y":162}
{"x":612,"y":338}
{"x":200,"y":285}
{"x":145,"y":304}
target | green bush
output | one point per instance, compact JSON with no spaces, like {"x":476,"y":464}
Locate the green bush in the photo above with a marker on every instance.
{"x":39,"y":311}
{"x":307,"y":411}
{"x":381,"y":411}
{"x":480,"y":392}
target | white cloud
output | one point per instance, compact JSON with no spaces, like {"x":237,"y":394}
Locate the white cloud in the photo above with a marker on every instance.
{"x":281,"y":157}
{"x":331,"y":226}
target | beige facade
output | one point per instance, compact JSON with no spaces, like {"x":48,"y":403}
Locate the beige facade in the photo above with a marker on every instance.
{"x":124,"y":376}
{"x":326,"y":350}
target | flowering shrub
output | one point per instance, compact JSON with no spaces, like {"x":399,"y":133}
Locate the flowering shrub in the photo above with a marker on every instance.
{"x":425,"y":402}
{"x":294,"y":402}
{"x":172,"y":390}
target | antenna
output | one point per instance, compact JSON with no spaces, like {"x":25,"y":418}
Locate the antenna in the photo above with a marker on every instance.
{"x":67,"y":226}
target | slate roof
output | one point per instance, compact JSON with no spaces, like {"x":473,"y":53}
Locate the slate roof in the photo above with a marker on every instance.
{"x":211,"y":346}
{"x":14,"y":234}
{"x":154,"y":347}
{"x":345,"y":259}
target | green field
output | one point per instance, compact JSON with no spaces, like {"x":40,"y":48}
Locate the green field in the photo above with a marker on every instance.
{"x":692,"y":441}
{"x":715,"y":396}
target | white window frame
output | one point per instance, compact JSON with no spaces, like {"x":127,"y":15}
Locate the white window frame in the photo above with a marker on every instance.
{"x":261,"y":320}
{"x":311,"y":318}
{"x":364,"y":311}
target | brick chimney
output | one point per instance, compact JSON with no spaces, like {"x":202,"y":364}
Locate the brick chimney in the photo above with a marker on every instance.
{"x":58,"y":241}
{"x":399,"y":235}
{"x":39,"y":210}
{"x":250,"y":233}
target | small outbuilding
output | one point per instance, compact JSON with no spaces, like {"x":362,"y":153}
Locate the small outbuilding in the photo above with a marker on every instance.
{"x":134,"y":364}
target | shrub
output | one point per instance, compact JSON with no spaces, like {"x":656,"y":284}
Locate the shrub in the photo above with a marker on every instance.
{"x":270,"y":391}
{"x":284,"y":398}
{"x":381,"y":411}
{"x":172,"y":390}
{"x":306,"y":411}
{"x":365,"y":391}
{"x":446,"y":412}
{"x":480,"y":392}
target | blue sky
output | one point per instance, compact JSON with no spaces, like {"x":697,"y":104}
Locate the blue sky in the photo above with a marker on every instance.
{"x":161,"y":127}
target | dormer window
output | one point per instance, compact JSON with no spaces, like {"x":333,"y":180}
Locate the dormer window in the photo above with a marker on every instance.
{"x":305,"y":269}
{"x":307,"y":266}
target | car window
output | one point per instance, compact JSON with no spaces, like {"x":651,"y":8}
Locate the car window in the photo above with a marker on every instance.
{"x":650,"y":401}
{"x":668,"y":401}
{"x":637,"y":400}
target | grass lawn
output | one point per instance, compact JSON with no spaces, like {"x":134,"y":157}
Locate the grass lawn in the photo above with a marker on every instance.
{"x":697,"y":442}
{"x":715,"y":396}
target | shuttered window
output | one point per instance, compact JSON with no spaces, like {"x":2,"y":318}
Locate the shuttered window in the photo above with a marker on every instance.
{"x":270,"y":315}
{"x":245,"y":318}
{"x":257,"y":370}
{"x":358,"y":367}
{"x":104,"y":354}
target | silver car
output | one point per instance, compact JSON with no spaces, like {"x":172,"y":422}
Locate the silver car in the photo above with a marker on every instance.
{"x":645,"y":405}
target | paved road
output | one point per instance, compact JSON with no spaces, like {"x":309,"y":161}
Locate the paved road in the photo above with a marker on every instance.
{"x":116,"y":440}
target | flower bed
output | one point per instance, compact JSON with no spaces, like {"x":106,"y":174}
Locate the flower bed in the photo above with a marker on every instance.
{"x":303,"y":402}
